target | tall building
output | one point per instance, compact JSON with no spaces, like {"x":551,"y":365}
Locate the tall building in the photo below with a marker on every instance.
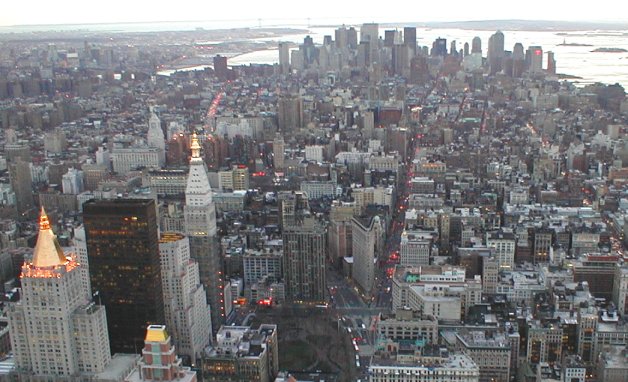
{"x":56,"y":330}
{"x":185,"y":301}
{"x":409,"y":39}
{"x":620,"y":290}
{"x":495,"y":54}
{"x":304,"y":248}
{"x":200,"y":226}
{"x":551,"y":63}
{"x":159,"y":361}
{"x":278,"y":153}
{"x":123,"y":251}
{"x":369,"y":32}
{"x":156,"y":137}
{"x":368,"y":244}
{"x":220,"y":67}
{"x":535,"y":59}
{"x":476,"y":45}
{"x":72,"y":182}
{"x":289,"y":113}
{"x":284,"y":57}
{"x":20,"y":176}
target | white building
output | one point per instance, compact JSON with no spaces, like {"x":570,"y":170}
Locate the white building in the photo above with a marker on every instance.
{"x":80,"y":249}
{"x":132,"y":158}
{"x":186,"y":310}
{"x":314,"y":153}
{"x":504,"y":244}
{"x":259,"y":264}
{"x":200,"y":225}
{"x":620,"y":290}
{"x":72,"y":181}
{"x":56,"y":330}
{"x":155,"y":136}
{"x":457,"y":367}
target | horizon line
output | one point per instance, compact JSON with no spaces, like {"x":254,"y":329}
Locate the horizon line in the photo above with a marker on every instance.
{"x":315,"y":21}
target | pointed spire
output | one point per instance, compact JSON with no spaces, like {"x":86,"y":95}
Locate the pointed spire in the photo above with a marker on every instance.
{"x":48,"y":252}
{"x":196,"y":147}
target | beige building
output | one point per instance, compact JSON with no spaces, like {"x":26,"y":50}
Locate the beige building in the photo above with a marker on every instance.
{"x":489,"y":350}
{"x":368,"y":244}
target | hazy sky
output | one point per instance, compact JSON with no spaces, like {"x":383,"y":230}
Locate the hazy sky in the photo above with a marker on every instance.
{"x":15,"y":12}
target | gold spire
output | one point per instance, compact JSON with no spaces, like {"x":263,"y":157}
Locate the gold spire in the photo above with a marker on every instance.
{"x":48,"y":252}
{"x":196,"y":147}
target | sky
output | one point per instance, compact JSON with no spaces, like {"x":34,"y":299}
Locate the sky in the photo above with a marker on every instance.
{"x":273,"y":12}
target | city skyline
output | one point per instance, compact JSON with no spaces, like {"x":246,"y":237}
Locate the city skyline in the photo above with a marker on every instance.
{"x":117,"y":11}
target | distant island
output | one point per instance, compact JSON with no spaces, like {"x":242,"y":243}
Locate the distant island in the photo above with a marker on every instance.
{"x":565,"y":43}
{"x":609,"y":50}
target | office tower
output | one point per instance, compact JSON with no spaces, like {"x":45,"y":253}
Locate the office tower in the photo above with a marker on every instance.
{"x":220,"y":67}
{"x":341,"y":37}
{"x":476,"y":45}
{"x":352,"y":38}
{"x":200,"y":226}
{"x":400,"y":59}
{"x":278,"y":153}
{"x":495,"y":52}
{"x":185,"y":301}
{"x":535,"y":59}
{"x":369,"y":32}
{"x":368,"y":245}
{"x":452,"y":48}
{"x":123,"y":252}
{"x":72,"y":182}
{"x":465,"y":49}
{"x":159,"y":361}
{"x":289,"y":113}
{"x":414,"y":249}
{"x":304,"y":239}
{"x":20,"y":176}
{"x":79,"y":244}
{"x":504,"y":244}
{"x":518,"y":60}
{"x":284,"y":57}
{"x":439,"y":47}
{"x":409,"y":39}
{"x":551,"y":63}
{"x":364,"y":54}
{"x":156,"y":136}
{"x":56,"y":331}
{"x":620,"y":289}
{"x":389,"y":37}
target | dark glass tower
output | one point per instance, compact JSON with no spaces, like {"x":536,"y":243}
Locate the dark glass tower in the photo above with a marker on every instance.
{"x":124,"y":265}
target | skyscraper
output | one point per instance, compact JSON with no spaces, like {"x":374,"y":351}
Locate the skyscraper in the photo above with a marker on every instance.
{"x":476,"y":45}
{"x":123,"y":252}
{"x":185,"y":301}
{"x":367,"y":245}
{"x":20,"y":176}
{"x":304,"y":248}
{"x":200,"y":225}
{"x":495,"y":52}
{"x":56,"y":330}
{"x":156,"y":136}
{"x":284,"y":57}
{"x":290,"y":113}
{"x":409,"y":39}
{"x":278,"y":155}
{"x":535,"y":59}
